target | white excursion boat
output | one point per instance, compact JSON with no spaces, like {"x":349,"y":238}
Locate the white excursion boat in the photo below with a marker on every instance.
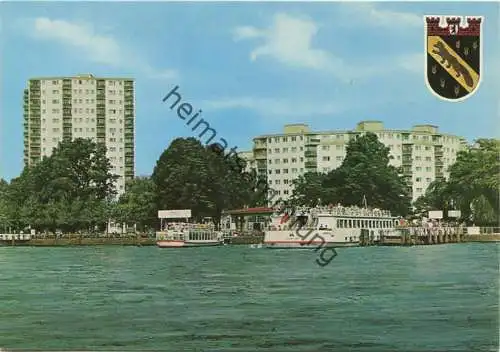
{"x":185,"y":234}
{"x":332,"y":226}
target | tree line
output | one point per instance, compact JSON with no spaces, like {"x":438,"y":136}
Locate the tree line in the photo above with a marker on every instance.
{"x":73,"y":189}
{"x":472,"y":187}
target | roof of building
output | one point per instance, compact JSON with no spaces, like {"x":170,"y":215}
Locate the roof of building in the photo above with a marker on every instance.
{"x":82,"y":76}
{"x":250,"y":211}
{"x":366,"y":126}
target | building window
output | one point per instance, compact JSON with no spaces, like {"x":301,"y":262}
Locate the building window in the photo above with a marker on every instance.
{"x":285,"y":161}
{"x":285,"y":171}
{"x":326,"y":158}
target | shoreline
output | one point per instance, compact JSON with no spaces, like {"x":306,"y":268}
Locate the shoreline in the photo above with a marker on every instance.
{"x":139,"y":242}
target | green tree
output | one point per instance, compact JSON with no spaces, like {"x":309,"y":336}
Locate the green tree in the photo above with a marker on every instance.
{"x":472,"y":186}
{"x":74,"y":180}
{"x":367,"y":173}
{"x":181,"y":177}
{"x":5,"y":221}
{"x":189,"y":175}
{"x":310,"y":188}
{"x":137,"y":205}
{"x":437,"y":197}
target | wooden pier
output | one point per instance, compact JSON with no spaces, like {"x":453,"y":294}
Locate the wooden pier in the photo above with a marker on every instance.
{"x":412,"y":236}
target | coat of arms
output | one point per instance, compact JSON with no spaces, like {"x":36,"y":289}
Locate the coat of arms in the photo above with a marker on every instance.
{"x":453,"y":56}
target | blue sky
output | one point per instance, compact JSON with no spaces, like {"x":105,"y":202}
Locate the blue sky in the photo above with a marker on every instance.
{"x":251,"y":67}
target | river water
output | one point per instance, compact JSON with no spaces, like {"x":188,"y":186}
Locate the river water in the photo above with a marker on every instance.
{"x":434,"y":298}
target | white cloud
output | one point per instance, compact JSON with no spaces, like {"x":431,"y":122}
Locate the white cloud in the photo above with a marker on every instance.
{"x":276,"y":107}
{"x":289,"y":41}
{"x":98,"y":48}
{"x":412,"y":62}
{"x":366,"y":14}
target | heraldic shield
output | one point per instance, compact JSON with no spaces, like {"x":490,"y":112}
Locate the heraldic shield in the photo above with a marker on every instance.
{"x":453,"y":56}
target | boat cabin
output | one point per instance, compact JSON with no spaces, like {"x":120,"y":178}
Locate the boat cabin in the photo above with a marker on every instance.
{"x":246,"y":220}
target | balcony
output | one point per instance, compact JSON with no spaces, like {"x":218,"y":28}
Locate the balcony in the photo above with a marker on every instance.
{"x":310,"y":164}
{"x":259,"y":146}
{"x":260,"y":155}
{"x":310,"y":154}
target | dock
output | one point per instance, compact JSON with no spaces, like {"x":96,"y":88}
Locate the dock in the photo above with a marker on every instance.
{"x":412,"y":236}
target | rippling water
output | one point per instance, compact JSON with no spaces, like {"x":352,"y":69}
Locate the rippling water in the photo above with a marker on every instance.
{"x":434,"y":298}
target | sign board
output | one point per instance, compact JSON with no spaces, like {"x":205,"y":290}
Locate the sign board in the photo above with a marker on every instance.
{"x":473,"y":230}
{"x":454,"y":213}
{"x":174,"y":214}
{"x":435,"y":214}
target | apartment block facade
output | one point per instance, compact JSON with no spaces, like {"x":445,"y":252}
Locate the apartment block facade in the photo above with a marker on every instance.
{"x":423,"y":152}
{"x":65,"y":108}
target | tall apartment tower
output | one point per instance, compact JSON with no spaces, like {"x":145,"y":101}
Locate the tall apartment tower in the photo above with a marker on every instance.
{"x":423,"y":152}
{"x":84,"y":106}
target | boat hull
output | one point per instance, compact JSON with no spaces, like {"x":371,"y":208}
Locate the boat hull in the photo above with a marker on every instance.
{"x":307,"y":245}
{"x":184,"y":244}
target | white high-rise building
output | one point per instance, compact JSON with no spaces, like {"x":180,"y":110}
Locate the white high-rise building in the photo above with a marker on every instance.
{"x":84,"y":106}
{"x":423,"y":152}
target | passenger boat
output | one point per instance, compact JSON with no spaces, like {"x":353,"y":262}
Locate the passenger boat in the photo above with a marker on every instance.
{"x":332,"y":226}
{"x":176,"y":234}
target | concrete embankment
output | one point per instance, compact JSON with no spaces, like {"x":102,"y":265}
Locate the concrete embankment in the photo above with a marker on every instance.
{"x":493,"y":237}
{"x":106,"y":241}
{"x":61,"y":242}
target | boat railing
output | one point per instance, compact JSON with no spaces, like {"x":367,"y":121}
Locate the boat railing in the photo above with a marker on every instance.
{"x":338,"y":211}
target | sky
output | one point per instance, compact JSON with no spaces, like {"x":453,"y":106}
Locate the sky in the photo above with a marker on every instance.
{"x":251,"y":67}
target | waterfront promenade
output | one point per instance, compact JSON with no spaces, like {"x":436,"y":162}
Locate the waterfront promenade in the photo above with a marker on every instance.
{"x":409,"y":236}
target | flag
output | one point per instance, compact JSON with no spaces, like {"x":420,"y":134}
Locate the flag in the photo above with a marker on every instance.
{"x":285,"y":218}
